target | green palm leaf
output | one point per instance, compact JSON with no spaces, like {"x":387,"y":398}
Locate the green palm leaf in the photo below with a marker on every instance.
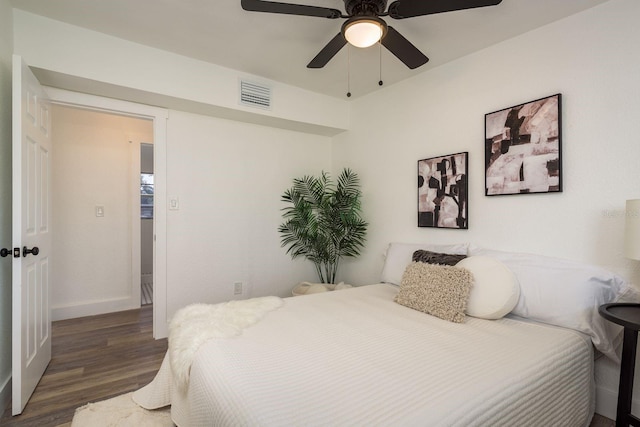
{"x":323,"y":222}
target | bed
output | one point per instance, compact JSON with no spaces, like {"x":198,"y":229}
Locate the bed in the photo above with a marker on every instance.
{"x":357,"y":357}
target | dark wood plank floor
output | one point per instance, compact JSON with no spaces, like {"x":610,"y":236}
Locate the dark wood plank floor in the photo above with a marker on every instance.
{"x":99,"y":357}
{"x":93,"y":358}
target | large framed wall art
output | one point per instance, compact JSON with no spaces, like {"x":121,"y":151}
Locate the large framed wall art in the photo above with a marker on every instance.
{"x":523,"y":148}
{"x":442,"y":191}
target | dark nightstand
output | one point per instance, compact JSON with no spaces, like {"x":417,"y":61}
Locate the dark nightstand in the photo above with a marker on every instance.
{"x":627,"y":315}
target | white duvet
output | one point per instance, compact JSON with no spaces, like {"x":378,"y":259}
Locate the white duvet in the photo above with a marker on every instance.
{"x":356,"y":358}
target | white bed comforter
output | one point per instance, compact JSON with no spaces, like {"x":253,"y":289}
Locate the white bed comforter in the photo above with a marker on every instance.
{"x":356,"y":358}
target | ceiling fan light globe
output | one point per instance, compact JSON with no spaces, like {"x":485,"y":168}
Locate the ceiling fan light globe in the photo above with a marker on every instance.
{"x":363,"y":32}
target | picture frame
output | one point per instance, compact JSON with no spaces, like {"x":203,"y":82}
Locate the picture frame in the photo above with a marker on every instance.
{"x":523,"y":148}
{"x":443,"y":191}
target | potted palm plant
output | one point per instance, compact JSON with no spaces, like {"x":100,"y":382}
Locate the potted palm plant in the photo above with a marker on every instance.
{"x":323,"y":222}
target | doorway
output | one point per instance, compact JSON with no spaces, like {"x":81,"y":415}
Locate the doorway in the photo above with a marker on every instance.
{"x":35,"y":151}
{"x":97,"y":211}
{"x":159,"y":118}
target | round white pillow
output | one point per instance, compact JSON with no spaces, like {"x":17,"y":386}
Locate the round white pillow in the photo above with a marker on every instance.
{"x":495,"y":289}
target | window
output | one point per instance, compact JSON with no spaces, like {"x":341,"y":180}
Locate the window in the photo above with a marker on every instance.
{"x":146,"y":195}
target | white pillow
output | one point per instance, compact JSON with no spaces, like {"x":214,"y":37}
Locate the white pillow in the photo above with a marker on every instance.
{"x":567,"y":294}
{"x":399,"y":256}
{"x":495,"y":290}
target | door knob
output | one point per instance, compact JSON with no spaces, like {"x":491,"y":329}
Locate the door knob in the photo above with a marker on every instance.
{"x":33,"y":251}
{"x":6,"y":252}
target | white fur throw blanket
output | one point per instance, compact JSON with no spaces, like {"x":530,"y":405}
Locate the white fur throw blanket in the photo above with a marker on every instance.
{"x":195,"y":324}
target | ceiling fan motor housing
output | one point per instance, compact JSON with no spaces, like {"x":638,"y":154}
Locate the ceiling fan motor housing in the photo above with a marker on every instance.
{"x":365,"y":7}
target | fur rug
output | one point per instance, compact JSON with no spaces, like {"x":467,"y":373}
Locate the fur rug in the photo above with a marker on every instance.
{"x":121,"y":411}
{"x":195,"y":324}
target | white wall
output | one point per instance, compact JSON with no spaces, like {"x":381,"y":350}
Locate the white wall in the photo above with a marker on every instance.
{"x":229,"y":177}
{"x":6,"y":50}
{"x":93,"y":165}
{"x":593,"y":60}
{"x":128,"y":70}
{"x":182,"y":83}
{"x":146,"y":157}
{"x":146,"y":250}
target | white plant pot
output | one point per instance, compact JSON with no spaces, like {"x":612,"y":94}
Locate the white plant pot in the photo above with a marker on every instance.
{"x":306,"y":288}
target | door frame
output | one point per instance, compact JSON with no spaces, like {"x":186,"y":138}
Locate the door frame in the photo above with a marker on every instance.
{"x":159,"y":117}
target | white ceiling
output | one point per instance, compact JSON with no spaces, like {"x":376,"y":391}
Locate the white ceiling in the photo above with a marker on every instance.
{"x":278,"y":47}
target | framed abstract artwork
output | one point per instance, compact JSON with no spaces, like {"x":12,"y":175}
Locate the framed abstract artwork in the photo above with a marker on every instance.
{"x":523,"y":148}
{"x":442,"y":191}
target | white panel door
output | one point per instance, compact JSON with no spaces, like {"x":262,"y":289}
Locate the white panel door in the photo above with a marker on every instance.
{"x":31,"y":336}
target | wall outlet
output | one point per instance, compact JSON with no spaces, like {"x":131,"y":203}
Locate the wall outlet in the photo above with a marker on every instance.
{"x":237,"y":288}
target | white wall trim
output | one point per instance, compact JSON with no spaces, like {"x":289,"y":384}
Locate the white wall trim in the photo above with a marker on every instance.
{"x":5,"y":393}
{"x":607,"y":402}
{"x":94,"y":308}
{"x":160,"y":320}
{"x":159,"y":117}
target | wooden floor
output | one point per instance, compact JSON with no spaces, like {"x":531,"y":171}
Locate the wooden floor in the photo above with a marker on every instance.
{"x":93,"y":358}
{"x":98,"y":357}
{"x":600,"y":421}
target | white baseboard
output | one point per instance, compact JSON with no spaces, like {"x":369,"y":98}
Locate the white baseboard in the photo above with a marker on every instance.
{"x":607,"y":403}
{"x":5,"y":393}
{"x":94,"y":307}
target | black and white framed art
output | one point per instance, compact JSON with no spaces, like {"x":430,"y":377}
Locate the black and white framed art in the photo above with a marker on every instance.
{"x":523,"y":148}
{"x":442,"y":191}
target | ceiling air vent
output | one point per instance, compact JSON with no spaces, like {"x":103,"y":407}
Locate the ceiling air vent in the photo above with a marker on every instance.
{"x":255,"y":95}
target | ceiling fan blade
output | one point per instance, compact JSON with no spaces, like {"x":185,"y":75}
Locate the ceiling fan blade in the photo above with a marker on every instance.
{"x":403,"y":49}
{"x":290,"y":9}
{"x":328,"y":52}
{"x":401,"y":9}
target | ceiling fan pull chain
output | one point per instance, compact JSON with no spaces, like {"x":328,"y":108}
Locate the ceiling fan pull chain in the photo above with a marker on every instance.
{"x":380,"y":82}
{"x":348,"y":71}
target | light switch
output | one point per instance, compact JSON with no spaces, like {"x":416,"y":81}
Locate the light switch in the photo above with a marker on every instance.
{"x":174,"y":203}
{"x":99,"y":211}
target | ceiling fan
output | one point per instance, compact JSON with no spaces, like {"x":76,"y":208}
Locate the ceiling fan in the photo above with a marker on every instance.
{"x":364,"y":26}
